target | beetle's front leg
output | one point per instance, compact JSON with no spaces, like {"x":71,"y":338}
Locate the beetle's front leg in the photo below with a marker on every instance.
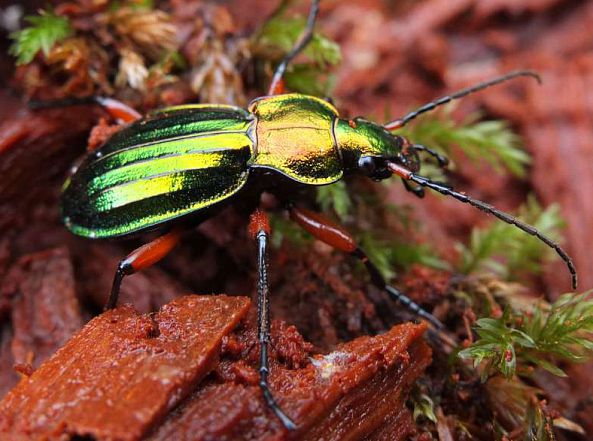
{"x":417,"y":191}
{"x":334,"y":235}
{"x":259,"y":230}
{"x":277,"y":85}
{"x":141,"y":258}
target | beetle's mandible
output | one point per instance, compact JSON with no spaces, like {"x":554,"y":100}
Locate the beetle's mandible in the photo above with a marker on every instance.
{"x":186,"y":162}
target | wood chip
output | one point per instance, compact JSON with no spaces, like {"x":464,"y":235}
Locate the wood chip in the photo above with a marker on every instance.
{"x":122,"y":373}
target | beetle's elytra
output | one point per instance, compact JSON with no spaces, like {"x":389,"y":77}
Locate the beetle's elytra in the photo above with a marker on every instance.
{"x":158,"y":169}
{"x":186,"y":160}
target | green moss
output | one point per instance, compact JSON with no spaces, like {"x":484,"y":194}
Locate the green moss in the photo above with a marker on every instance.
{"x":43,"y":32}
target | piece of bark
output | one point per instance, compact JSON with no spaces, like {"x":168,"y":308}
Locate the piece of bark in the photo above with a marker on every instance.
{"x":368,"y":387}
{"x":356,"y":392}
{"x":38,"y":296}
{"x":122,"y":373}
{"x":8,"y":376}
{"x":44,"y":310}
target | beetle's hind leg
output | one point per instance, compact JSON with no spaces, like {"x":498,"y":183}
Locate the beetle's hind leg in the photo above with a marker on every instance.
{"x":118,"y":110}
{"x":334,"y":235}
{"x":277,"y":84}
{"x":139,"y":259}
{"x":259,"y":229}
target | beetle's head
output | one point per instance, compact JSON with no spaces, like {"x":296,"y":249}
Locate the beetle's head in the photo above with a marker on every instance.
{"x":367,"y":148}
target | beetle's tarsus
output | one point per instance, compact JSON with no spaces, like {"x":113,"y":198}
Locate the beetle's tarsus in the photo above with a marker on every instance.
{"x":379,"y":281}
{"x":442,"y":160}
{"x":62,"y":102}
{"x":286,"y":421}
{"x":415,"y":190}
{"x":414,"y":307}
{"x":260,"y":223}
{"x":124,"y":268}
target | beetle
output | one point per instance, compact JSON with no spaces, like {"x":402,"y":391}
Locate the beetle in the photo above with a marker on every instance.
{"x":181,"y":164}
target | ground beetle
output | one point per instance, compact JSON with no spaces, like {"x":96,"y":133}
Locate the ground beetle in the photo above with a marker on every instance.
{"x":185,"y":162}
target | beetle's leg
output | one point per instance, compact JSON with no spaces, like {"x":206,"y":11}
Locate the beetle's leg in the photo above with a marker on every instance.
{"x":141,"y":258}
{"x":398,"y":123}
{"x":417,"y":191}
{"x":406,"y":174}
{"x":259,"y":229}
{"x":334,"y":235}
{"x":442,"y":160}
{"x":277,"y":84}
{"x":116,"y":109}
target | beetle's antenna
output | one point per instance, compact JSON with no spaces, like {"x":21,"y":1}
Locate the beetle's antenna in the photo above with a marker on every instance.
{"x":398,"y":123}
{"x":404,"y":173}
{"x":299,"y":45}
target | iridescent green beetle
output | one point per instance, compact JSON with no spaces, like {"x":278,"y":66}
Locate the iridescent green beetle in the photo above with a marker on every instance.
{"x":183,"y":163}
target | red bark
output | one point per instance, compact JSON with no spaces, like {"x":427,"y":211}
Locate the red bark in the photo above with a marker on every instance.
{"x":124,"y":373}
{"x":38,"y":295}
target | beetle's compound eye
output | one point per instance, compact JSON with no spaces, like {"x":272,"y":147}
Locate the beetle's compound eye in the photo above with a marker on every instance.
{"x":374,"y":167}
{"x":366,"y":164}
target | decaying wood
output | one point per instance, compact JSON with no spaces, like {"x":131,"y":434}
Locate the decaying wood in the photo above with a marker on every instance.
{"x":38,"y":296}
{"x":122,"y":375}
{"x":357,"y":391}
